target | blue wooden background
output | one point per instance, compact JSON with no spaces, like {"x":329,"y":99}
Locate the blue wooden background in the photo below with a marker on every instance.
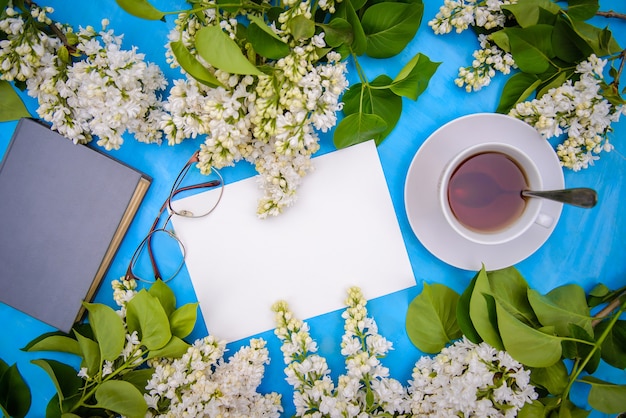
{"x":587,"y":246}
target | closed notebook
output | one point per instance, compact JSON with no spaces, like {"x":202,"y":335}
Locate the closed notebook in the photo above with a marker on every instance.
{"x":64,"y":209}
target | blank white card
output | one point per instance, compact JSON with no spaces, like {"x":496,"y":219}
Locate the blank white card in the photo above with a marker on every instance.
{"x":342,"y":231}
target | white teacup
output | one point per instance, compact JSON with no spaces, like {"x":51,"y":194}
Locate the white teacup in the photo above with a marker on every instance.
{"x":526,"y":215}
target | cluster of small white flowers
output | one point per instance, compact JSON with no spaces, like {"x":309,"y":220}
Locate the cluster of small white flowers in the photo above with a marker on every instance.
{"x":461,"y":14}
{"x":202,"y":384}
{"x":123,"y":290}
{"x":578,"y":110}
{"x":109,"y":92}
{"x":328,"y":5}
{"x":364,"y":390}
{"x":268,"y":120}
{"x":285,"y":121}
{"x":467,"y":379}
{"x":23,"y":50}
{"x":487,"y":61}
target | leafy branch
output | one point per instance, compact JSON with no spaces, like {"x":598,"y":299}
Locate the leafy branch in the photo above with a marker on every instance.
{"x":540,"y":331}
{"x":355,"y":28}
{"x":113,"y":353}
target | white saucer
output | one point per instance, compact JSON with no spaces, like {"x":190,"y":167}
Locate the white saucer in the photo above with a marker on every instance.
{"x":421,"y":195}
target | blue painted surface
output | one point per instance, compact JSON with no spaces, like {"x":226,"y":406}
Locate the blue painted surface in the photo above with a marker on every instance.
{"x":587,"y":246}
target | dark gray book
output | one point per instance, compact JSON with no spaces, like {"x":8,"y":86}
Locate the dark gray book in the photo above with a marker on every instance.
{"x":64,"y":209}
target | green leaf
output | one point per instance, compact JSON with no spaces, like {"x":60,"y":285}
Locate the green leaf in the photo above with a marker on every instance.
{"x":510,"y":289}
{"x":597,"y":295}
{"x":11,"y":106}
{"x":165,"y":295}
{"x":145,"y":315}
{"x":357,"y":128}
{"x":525,"y":344}
{"x":483,"y":311}
{"x":562,"y":306}
{"x":531,"y":12}
{"x":357,"y":4}
{"x":141,"y":8}
{"x":577,"y":350}
{"x":58,"y":343}
{"x":64,"y":377}
{"x":90,"y":353}
{"x":531,"y":47}
{"x":173,"y":349}
{"x":139,"y":378}
{"x":532,"y":409}
{"x":359,"y":41}
{"x":338,"y":31}
{"x":414,"y":77}
{"x":567,"y":409}
{"x":463,"y":314}
{"x":183,"y":319}
{"x":501,"y":39}
{"x":108,"y":329}
{"x":567,"y":44}
{"x":552,"y":378}
{"x":301,"y":27}
{"x":390,"y":26}
{"x":606,"y":397}
{"x":431,"y":321}
{"x":517,"y":89}
{"x":221,"y":52}
{"x":375,"y":98}
{"x":555,"y":82}
{"x":263,"y":26}
{"x":582,"y":9}
{"x":121,"y":397}
{"x":192,"y":66}
{"x":614,"y":345}
{"x":15,"y":397}
{"x":229,"y":6}
{"x":596,"y":38}
{"x":266,"y":45}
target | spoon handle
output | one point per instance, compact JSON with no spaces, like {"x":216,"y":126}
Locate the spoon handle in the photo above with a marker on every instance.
{"x":577,"y":196}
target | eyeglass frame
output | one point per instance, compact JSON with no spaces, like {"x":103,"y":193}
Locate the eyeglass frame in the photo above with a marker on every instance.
{"x":167,"y":204}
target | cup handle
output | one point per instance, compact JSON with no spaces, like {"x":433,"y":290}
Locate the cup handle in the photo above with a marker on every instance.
{"x":544,"y":220}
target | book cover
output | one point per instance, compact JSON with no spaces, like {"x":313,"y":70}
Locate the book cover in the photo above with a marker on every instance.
{"x":64,"y":209}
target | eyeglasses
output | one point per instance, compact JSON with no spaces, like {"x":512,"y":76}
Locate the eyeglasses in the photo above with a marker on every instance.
{"x":180,"y":202}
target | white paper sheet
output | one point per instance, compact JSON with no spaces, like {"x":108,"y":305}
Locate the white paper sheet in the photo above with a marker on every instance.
{"x":341,"y":232}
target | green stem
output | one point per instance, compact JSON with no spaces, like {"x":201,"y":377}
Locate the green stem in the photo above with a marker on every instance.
{"x":88,"y":394}
{"x":364,"y":82}
{"x":576,"y":371}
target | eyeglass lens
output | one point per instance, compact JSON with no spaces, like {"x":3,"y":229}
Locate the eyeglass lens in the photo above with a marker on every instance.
{"x":187,"y":197}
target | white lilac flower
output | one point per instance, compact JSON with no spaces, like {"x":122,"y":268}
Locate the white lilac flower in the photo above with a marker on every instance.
{"x":82,"y":373}
{"x":269,"y":120}
{"x":487,"y":61}
{"x":364,"y":390}
{"x":107,"y":93}
{"x":461,"y":14}
{"x":123,"y":290}
{"x":24,"y":46}
{"x":467,"y":379}
{"x":202,"y":384}
{"x":576,"y":110}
